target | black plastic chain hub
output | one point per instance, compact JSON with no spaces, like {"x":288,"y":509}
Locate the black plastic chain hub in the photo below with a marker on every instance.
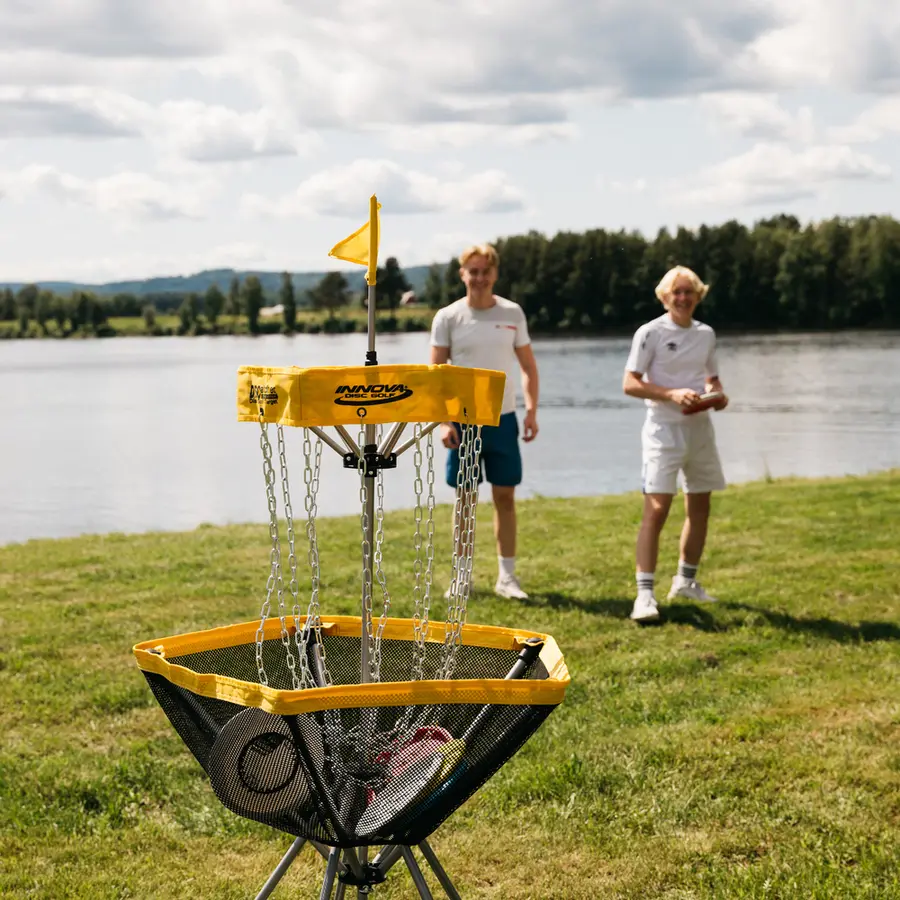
{"x":373,"y":460}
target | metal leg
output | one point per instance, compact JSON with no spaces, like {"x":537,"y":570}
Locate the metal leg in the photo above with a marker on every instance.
{"x":330,"y":872}
{"x":363,"y":860}
{"x":280,"y":869}
{"x":385,"y":860}
{"x":438,"y":870}
{"x":324,"y":851}
{"x":417,"y":876}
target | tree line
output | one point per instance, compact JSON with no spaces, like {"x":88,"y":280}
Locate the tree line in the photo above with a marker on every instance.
{"x":775,"y":274}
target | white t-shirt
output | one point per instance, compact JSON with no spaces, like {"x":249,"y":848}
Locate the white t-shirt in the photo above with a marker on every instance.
{"x":673,"y":357}
{"x":484,"y":339}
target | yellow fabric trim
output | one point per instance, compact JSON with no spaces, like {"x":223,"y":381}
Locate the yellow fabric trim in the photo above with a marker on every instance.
{"x":344,"y":395}
{"x":550,"y":691}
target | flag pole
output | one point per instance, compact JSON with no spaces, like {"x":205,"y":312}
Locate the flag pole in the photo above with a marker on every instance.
{"x":371,"y":356}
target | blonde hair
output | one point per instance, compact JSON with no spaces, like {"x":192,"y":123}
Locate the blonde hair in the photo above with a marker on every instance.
{"x":485,"y":250}
{"x":668,"y":280}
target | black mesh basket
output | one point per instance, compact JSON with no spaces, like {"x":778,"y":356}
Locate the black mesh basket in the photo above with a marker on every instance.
{"x":348,"y":774}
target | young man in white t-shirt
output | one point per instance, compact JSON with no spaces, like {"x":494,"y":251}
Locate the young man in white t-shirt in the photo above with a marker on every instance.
{"x":673,"y":361}
{"x":482,"y":330}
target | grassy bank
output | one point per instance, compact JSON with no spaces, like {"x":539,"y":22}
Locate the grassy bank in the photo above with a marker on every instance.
{"x":750,"y":749}
{"x":348,"y":319}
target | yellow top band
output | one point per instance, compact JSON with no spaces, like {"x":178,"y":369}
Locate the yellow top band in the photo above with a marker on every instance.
{"x":153,"y":656}
{"x":342,"y":395}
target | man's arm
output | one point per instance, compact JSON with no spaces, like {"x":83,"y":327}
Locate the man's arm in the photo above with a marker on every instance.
{"x":439,"y":355}
{"x":530,"y":388}
{"x":634,"y":386}
{"x":713,"y":384}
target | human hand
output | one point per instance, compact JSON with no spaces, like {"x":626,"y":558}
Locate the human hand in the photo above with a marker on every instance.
{"x":683,"y":397}
{"x":449,"y":436}
{"x":529,"y":426}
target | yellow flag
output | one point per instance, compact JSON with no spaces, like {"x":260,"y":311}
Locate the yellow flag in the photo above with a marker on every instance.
{"x":362,"y":246}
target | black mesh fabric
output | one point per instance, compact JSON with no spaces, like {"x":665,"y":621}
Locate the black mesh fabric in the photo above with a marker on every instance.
{"x":349,"y":777}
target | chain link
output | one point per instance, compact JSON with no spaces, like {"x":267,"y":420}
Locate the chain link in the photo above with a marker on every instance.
{"x":422,"y":588}
{"x":366,"y":547}
{"x":379,"y":572}
{"x":463,"y":545}
{"x":275,"y":581}
{"x":312,"y":463}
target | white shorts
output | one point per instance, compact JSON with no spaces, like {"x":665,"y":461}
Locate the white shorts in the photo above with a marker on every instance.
{"x":688,"y":447}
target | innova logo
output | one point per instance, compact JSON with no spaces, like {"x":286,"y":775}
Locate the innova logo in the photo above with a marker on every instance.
{"x":263,"y":393}
{"x":370,"y":394}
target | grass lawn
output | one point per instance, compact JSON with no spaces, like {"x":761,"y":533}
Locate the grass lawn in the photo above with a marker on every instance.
{"x":746,"y":749}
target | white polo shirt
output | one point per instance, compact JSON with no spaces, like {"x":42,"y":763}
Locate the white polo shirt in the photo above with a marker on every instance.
{"x":484,"y":339}
{"x":674,"y":357}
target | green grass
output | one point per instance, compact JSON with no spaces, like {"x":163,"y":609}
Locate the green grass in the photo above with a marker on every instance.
{"x":750,"y":749}
{"x":168,"y":323}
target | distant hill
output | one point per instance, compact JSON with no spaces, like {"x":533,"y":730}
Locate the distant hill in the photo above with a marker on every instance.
{"x":198,"y":283}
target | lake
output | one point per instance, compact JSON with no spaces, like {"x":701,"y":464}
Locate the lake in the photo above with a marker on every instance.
{"x":140,"y":434}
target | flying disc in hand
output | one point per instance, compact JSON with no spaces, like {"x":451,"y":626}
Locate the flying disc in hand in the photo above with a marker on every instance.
{"x":706,"y":401}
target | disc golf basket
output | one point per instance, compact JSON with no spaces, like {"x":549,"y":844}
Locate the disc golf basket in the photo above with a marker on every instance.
{"x":353,"y":732}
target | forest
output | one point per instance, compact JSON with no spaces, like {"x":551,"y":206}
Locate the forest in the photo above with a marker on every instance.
{"x":777,"y":274}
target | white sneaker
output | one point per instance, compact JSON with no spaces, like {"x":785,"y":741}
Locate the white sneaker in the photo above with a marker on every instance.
{"x":508,"y":586}
{"x":691,"y":589}
{"x":645,"y":608}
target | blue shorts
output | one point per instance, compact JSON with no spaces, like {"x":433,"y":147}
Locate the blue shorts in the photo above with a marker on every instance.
{"x":501,"y":461}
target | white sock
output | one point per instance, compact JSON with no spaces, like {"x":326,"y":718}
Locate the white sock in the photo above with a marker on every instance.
{"x":507,"y":566}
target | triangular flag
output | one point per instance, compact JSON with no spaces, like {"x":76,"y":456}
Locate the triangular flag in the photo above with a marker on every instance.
{"x":361,"y":247}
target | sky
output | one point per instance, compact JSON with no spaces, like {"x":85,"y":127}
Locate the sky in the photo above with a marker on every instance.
{"x":141,"y":139}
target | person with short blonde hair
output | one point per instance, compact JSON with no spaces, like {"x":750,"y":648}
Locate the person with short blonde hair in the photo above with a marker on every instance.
{"x":482,"y":330}
{"x":672,"y":363}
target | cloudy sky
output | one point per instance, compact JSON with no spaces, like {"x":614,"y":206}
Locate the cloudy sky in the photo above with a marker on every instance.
{"x":146,"y":138}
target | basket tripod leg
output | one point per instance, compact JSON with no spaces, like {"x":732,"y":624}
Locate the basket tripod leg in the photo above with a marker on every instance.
{"x":280,"y":869}
{"x":438,"y":870}
{"x":330,"y":873}
{"x":417,"y":876}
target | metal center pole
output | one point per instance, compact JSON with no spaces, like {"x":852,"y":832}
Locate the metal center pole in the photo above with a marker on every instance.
{"x":369,"y":564}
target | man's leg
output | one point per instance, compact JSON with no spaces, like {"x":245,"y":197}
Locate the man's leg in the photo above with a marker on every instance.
{"x":693,"y":539}
{"x":504,"y":499}
{"x":696,"y":524}
{"x":503,"y":469}
{"x":702,"y":475}
{"x":656,"y":511}
{"x":663,"y":451}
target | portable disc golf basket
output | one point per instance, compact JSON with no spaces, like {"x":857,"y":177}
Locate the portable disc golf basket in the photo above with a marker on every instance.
{"x":351,"y":732}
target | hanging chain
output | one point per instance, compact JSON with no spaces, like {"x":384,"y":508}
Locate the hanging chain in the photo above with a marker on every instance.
{"x":422,"y":589}
{"x":379,"y":572}
{"x":464,"y":545}
{"x":312,"y":462}
{"x":366,"y":547}
{"x":275,"y":581}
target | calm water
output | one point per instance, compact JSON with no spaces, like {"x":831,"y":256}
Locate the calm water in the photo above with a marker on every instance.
{"x":140,"y":434}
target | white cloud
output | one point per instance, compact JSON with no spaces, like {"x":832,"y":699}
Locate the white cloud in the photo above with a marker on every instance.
{"x":774,"y":173}
{"x":878,"y":120}
{"x":847,"y":45}
{"x":194,"y":131}
{"x":112,"y":28}
{"x":759,"y":116}
{"x":74,"y":111}
{"x":205,"y":133}
{"x":103,"y":268}
{"x":338,"y":192}
{"x":422,"y":138}
{"x":130,"y":195}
